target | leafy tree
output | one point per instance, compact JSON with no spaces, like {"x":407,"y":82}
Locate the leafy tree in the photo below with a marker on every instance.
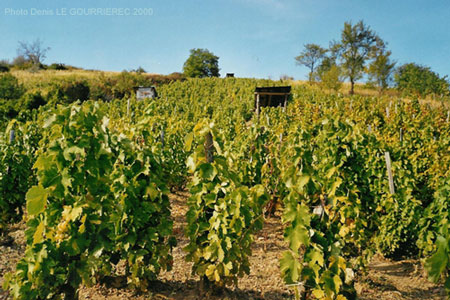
{"x":420,"y":80}
{"x":311,"y":57}
{"x":10,"y":88}
{"x":381,"y":69}
{"x":201,"y":63}
{"x":358,"y":43}
{"x":34,"y":52}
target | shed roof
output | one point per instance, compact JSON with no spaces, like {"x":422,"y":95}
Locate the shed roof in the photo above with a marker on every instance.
{"x":273,"y":89}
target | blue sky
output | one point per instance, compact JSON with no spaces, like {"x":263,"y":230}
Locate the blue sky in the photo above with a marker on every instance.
{"x":253,"y":38}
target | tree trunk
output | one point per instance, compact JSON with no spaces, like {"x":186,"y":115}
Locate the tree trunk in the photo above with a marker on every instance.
{"x":352,"y":86}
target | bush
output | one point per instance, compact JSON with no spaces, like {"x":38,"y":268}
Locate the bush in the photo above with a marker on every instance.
{"x":57,"y":66}
{"x":73,"y":90}
{"x":33,"y":100}
{"x":331,"y":79}
{"x":21,"y":63}
{"x":4,"y":66}
{"x":413,"y":79}
{"x":10,"y":88}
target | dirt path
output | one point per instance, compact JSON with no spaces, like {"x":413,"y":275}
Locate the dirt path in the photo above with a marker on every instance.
{"x":384,"y":279}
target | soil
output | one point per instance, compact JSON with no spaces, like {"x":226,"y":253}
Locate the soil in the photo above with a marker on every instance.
{"x":384,"y":279}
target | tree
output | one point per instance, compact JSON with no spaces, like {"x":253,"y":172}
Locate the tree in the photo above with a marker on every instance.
{"x":34,"y":52}
{"x":420,"y":80}
{"x":381,"y":69}
{"x":356,"y":46}
{"x":311,"y":57}
{"x":201,"y":63}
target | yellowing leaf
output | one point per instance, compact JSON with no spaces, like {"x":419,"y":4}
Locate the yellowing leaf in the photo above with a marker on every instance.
{"x":36,"y":200}
{"x":39,"y":233}
{"x":319,"y":294}
{"x":188,"y":141}
{"x":302,"y":181}
{"x":82,"y":228}
{"x":216,"y":275}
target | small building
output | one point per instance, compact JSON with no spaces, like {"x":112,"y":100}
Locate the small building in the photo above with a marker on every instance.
{"x":146,"y":92}
{"x":230,"y":75}
{"x":276,"y":96}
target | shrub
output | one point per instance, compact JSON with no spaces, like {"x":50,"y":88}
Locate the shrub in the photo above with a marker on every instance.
{"x":331,"y":79}
{"x":73,"y":90}
{"x":33,"y":100}
{"x":413,"y":79}
{"x":10,"y":88}
{"x":4,"y":66}
{"x":56,"y":66}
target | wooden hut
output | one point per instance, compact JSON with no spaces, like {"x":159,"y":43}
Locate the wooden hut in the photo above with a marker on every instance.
{"x":276,"y":96}
{"x":146,"y":92}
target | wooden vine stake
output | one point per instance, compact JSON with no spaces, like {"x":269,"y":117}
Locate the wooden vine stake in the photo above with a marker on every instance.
{"x":389,"y":170}
{"x":448,"y":116}
{"x":257,"y":105}
{"x":162,"y":136}
{"x":128,"y":107}
{"x":12,"y":135}
{"x":209,"y":148}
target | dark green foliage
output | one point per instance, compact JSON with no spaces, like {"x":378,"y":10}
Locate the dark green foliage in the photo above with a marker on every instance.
{"x":4,"y":66}
{"x":201,"y":63}
{"x":33,"y":100}
{"x":16,"y":174}
{"x":10,"y":88}
{"x":420,"y":80}
{"x":56,"y":66}
{"x":73,"y":90}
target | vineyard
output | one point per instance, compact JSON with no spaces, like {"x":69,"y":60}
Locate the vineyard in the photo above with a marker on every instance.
{"x":351,"y":177}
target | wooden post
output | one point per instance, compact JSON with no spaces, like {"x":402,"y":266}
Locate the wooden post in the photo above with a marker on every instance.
{"x":281,"y":141}
{"x":257,"y":104}
{"x":369,"y":128}
{"x":401,"y":135}
{"x":12,"y":135}
{"x":387,"y":112}
{"x":448,"y":116}
{"x":128,"y":107}
{"x":162,"y":136}
{"x":209,"y":147}
{"x":285,"y":102}
{"x":389,"y":170}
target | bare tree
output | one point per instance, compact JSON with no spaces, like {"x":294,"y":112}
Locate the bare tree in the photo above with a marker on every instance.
{"x":34,"y":52}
